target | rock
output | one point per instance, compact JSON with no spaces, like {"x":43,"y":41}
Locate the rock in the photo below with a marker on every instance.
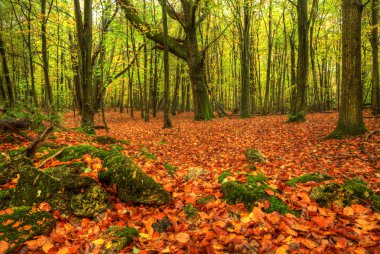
{"x":5,"y":198}
{"x":254,"y":155}
{"x":10,"y":169}
{"x":315,"y":177}
{"x":90,"y":203}
{"x":133,"y":185}
{"x":114,"y":239}
{"x":20,"y":224}
{"x":65,"y":192}
{"x":193,"y":173}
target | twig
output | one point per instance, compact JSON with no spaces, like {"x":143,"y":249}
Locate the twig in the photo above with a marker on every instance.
{"x":51,"y":157}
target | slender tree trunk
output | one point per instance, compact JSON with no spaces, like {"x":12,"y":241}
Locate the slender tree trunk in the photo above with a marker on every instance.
{"x":350,"y":114}
{"x":167,"y":117}
{"x":269,"y":61}
{"x":375,"y":58}
{"x":245,"y":29}
{"x":8,"y":82}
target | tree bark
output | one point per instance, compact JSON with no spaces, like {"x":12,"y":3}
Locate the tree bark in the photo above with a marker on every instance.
{"x":350,"y":121}
{"x":375,"y":58}
{"x":167,"y":117}
{"x":8,"y":82}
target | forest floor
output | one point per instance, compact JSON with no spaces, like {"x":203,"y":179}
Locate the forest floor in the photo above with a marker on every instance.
{"x":291,"y":150}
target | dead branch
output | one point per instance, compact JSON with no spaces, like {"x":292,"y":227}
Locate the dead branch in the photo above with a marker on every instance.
{"x":51,"y":157}
{"x":11,"y":128}
{"x":32,"y":149}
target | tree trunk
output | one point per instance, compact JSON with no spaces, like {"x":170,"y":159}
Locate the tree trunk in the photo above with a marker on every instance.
{"x":269,"y":62}
{"x":299,"y":110}
{"x":375,"y":58}
{"x":350,"y":121}
{"x":167,"y":117}
{"x":8,"y":82}
{"x":245,"y":29}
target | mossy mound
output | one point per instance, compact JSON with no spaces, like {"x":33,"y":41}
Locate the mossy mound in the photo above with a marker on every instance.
{"x":224,"y":175}
{"x":105,"y":140}
{"x":92,"y":202}
{"x":190,"y":211}
{"x":133,"y":185}
{"x":116,"y":238}
{"x":353,"y":191}
{"x":162,"y":225}
{"x":254,"y":155}
{"x":251,"y":192}
{"x":315,"y":177}
{"x":20,"y":224}
{"x":68,"y":193}
{"x":10,"y":169}
{"x":205,"y":200}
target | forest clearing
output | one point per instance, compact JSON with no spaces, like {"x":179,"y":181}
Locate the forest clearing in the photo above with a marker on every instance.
{"x":169,"y":156}
{"x":189,"y":126}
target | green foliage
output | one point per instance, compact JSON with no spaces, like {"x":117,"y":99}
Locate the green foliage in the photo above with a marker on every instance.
{"x":170,"y":169}
{"x":205,"y":200}
{"x":147,"y":154}
{"x":315,"y":177}
{"x":224,"y":175}
{"x":190,"y":211}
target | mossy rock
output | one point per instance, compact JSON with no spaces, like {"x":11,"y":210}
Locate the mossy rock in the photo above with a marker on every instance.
{"x":254,"y":155}
{"x":353,"y":191}
{"x":251,"y":192}
{"x":205,"y":200}
{"x":117,"y":238}
{"x":75,"y":168}
{"x":224,"y":175}
{"x":10,"y":169}
{"x":20,"y":224}
{"x":190,"y":211}
{"x":133,"y":185}
{"x":315,"y":177}
{"x":5,"y":198}
{"x":162,"y":225}
{"x":376,"y":202}
{"x":194,"y":172}
{"x":105,"y":140}
{"x":90,"y":203}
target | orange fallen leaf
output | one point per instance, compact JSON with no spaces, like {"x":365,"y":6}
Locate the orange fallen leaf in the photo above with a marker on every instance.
{"x":310,"y":244}
{"x":182,"y":237}
{"x":323,"y":222}
{"x":341,"y":243}
{"x":3,"y":247}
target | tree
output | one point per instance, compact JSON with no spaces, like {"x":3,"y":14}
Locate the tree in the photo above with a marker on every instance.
{"x":350,"y":121}
{"x":244,"y":34}
{"x":8,"y":82}
{"x":167,"y":118}
{"x":186,"y":49}
{"x":84,"y":36}
{"x":299,"y":108}
{"x":375,"y":58}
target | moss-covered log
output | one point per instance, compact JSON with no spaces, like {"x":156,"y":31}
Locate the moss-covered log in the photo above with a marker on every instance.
{"x":20,"y":224}
{"x":315,"y":177}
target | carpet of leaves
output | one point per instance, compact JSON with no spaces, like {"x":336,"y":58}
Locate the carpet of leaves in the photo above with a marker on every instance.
{"x":218,"y":145}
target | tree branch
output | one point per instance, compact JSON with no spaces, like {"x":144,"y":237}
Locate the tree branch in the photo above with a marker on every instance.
{"x":144,"y":28}
{"x":293,"y":3}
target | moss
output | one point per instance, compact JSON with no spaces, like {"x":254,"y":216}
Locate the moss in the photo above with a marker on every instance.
{"x":353,"y":191}
{"x":170,"y":169}
{"x":315,"y":177}
{"x":75,"y":168}
{"x":17,"y":153}
{"x":5,"y":198}
{"x":105,"y":140}
{"x":254,"y":155}
{"x":254,"y":179}
{"x":22,"y":224}
{"x":205,"y":200}
{"x":8,"y":171}
{"x":77,"y":152}
{"x":276,"y":204}
{"x":119,"y":238}
{"x":162,"y":225}
{"x":147,"y":154}
{"x":90,"y":203}
{"x":297,"y":118}
{"x":105,"y":177}
{"x":376,"y":202}
{"x":224,"y":175}
{"x":190,"y":211}
{"x":236,"y":192}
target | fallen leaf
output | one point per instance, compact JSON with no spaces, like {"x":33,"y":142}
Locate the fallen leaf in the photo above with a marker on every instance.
{"x":182,"y":237}
{"x":3,"y":247}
